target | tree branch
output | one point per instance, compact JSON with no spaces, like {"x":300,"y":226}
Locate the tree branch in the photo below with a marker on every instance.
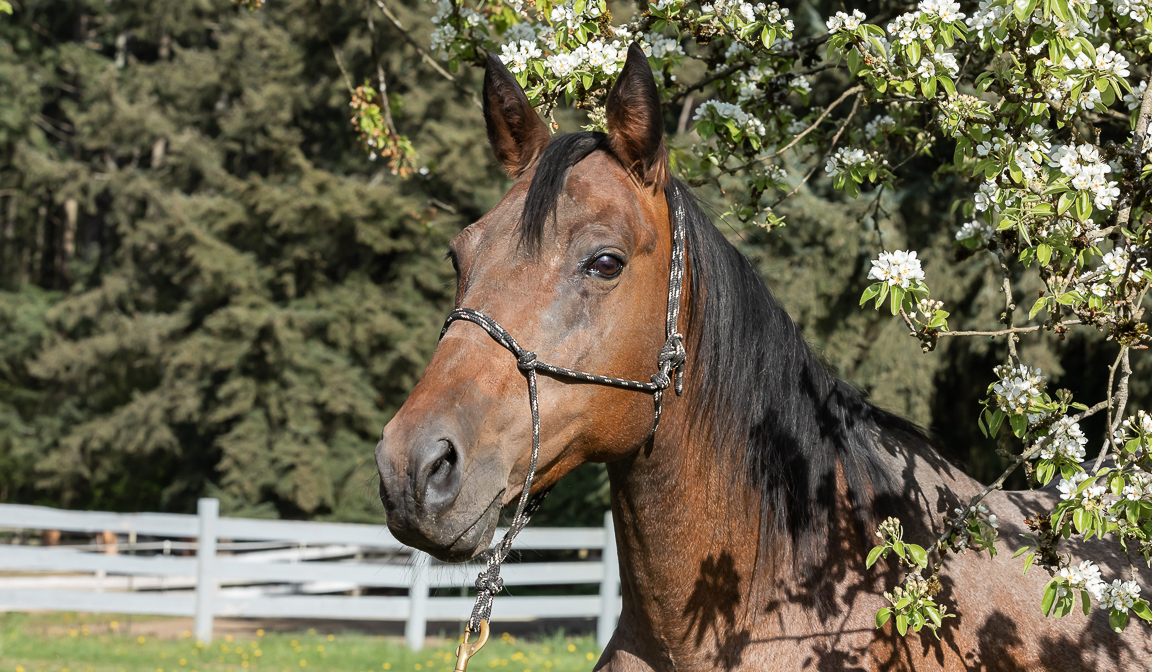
{"x":424,"y":54}
{"x":835,"y":139}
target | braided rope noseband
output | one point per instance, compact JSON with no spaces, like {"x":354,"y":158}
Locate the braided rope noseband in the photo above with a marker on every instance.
{"x":670,"y":373}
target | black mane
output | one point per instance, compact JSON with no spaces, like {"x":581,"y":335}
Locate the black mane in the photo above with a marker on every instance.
{"x":783,"y":421}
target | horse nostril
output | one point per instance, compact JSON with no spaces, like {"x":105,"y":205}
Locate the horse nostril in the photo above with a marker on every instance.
{"x":438,"y":482}
{"x":443,"y":466}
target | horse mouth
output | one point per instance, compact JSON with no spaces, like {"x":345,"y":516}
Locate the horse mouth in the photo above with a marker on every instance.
{"x":475,"y":538}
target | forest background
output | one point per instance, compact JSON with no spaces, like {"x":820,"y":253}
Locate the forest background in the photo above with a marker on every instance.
{"x":208,"y":287}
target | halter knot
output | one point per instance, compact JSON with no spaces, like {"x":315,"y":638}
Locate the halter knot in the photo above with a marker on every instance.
{"x":661,"y":380}
{"x":489,"y":584}
{"x":526,"y":361}
{"x":671,"y":359}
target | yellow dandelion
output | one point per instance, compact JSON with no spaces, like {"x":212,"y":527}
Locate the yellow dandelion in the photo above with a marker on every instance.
{"x":294,"y":643}
{"x":114,"y":625}
{"x":183,"y":661}
{"x":419,"y":666}
{"x":571,"y":648}
{"x":320,"y":647}
{"x":199,"y":645}
{"x":227,"y":638}
{"x":303,"y":663}
{"x":311,"y":631}
{"x":260,"y":632}
{"x":244,"y":664}
{"x":140,"y":640}
{"x":257,"y":653}
{"x":331,"y":638}
{"x":19,"y":668}
{"x":72,"y":633}
{"x":589,"y":655}
{"x":187,"y":634}
{"x":387,"y":666}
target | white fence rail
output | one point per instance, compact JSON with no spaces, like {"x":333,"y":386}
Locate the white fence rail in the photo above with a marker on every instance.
{"x":286,"y":582}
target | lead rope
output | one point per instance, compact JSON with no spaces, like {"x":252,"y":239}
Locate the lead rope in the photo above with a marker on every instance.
{"x":670,"y":363}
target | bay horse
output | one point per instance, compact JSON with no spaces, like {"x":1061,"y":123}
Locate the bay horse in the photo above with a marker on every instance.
{"x":743,"y":521}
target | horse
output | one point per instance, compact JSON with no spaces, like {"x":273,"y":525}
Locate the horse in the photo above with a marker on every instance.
{"x":744,"y":518}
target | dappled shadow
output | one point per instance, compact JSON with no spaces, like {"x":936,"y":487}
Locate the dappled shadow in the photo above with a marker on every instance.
{"x":712,"y":608}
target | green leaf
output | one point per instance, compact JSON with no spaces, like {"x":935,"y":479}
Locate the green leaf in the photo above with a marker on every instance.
{"x":899,"y":548}
{"x":928,"y":87}
{"x":5,"y":7}
{"x":1037,"y":307}
{"x":882,"y":616}
{"x":1019,"y":423}
{"x":902,"y":624}
{"x":919,"y":555}
{"x":1049,"y":597}
{"x":870,"y":293}
{"x":1141,"y":609}
{"x":1118,"y":620}
{"x":1028,"y":560}
{"x":896,"y":299}
{"x":854,"y":61}
{"x":933,"y":613}
{"x":768,"y":36}
{"x":1085,"y":602}
{"x":1081,"y":519}
{"x":948,"y":86}
{"x":1044,"y":253}
{"x":913,"y":52}
{"x":1066,"y":200}
{"x":873,"y":556}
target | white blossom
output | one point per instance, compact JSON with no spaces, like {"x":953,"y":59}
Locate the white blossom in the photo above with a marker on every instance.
{"x":976,"y":230}
{"x":1086,"y":575}
{"x":1120,"y":595}
{"x":1111,"y":62}
{"x":880,"y":124}
{"x":898,"y":269}
{"x":946,"y":10}
{"x":516,"y":55}
{"x":748,"y":123}
{"x":844,"y":22}
{"x":1134,"y":99}
{"x":1068,"y":441}
{"x":1018,"y":387}
{"x":1137,"y":10}
{"x":844,"y":159}
{"x":1068,"y":487}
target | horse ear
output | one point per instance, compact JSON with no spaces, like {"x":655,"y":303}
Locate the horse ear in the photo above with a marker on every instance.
{"x":635,"y":122}
{"x":517,"y":134}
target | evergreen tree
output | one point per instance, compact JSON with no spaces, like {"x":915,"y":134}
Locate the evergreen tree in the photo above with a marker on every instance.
{"x":208,"y":286}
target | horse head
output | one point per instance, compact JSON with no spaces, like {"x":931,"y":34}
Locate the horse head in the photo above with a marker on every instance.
{"x":574,"y":263}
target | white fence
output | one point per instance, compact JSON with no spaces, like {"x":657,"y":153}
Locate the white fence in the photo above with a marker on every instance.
{"x":294,"y":577}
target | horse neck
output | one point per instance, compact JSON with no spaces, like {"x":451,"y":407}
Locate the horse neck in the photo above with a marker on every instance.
{"x":690,"y":538}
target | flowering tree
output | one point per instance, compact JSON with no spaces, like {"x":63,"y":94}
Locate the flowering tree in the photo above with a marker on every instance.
{"x":1043,"y":106}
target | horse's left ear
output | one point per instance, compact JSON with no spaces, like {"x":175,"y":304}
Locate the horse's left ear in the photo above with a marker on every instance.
{"x":635,"y":122}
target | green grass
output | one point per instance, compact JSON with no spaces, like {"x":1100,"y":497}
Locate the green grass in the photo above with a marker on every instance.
{"x":94,"y":644}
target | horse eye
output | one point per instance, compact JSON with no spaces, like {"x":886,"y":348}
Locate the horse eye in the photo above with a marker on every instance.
{"x":607,"y":266}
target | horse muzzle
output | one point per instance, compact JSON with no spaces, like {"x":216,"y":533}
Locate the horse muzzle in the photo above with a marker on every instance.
{"x":427,"y":502}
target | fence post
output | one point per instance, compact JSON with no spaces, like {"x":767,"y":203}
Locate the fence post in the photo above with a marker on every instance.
{"x":417,"y":625}
{"x":609,"y":585}
{"x":209,"y":511}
